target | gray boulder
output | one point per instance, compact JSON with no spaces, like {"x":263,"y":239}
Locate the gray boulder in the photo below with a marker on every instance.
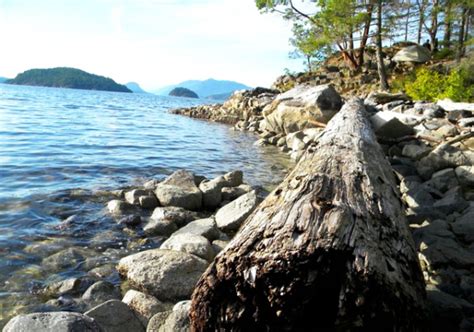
{"x":165,"y":274}
{"x":391,"y":124}
{"x":52,"y":322}
{"x":230,"y":217}
{"x":203,"y":227}
{"x":465,"y":175}
{"x":178,"y":319}
{"x":234,"y":178}
{"x":464,"y":225}
{"x":192,"y":244}
{"x":99,"y":292}
{"x":115,"y":316}
{"x":211,"y":193}
{"x":176,"y":214}
{"x":118,"y":207}
{"x":443,"y":180}
{"x":231,"y":193}
{"x":452,"y":201}
{"x":413,"y":53}
{"x":66,"y":258}
{"x":132,"y":196}
{"x":295,"y":109}
{"x":148,"y":201}
{"x":157,"y":321}
{"x":144,"y":305}
{"x":164,"y":227}
{"x":180,"y":190}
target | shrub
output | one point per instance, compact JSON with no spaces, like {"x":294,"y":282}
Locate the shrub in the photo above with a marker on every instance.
{"x":431,"y":85}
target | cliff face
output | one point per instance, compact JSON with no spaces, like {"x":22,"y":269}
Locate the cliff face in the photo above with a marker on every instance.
{"x":67,"y":78}
{"x":183,"y":92}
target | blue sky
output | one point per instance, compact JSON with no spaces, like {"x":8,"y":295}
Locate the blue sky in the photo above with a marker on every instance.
{"x":152,"y":42}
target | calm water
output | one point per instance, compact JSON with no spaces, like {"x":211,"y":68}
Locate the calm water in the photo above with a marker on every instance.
{"x":62,"y":149}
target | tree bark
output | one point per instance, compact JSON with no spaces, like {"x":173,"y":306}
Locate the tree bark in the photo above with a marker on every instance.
{"x":421,"y":7}
{"x":460,"y":51}
{"x":380,"y":64}
{"x":365,"y":35}
{"x":329,"y":249}
{"x":433,"y":30}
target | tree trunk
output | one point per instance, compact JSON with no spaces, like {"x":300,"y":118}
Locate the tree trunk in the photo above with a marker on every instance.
{"x":365,"y":35}
{"x":421,"y":22}
{"x":328,"y":249}
{"x":380,"y":65}
{"x":433,"y":31}
{"x":460,"y":51}
{"x":407,"y":20}
{"x":447,"y":26}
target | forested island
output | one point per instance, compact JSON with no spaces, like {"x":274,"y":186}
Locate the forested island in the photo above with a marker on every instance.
{"x":63,"y":77}
{"x":183,"y":92}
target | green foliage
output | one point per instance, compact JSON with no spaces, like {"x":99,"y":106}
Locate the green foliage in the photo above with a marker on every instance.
{"x":444,"y":53}
{"x":431,"y":85}
{"x":64,"y":77}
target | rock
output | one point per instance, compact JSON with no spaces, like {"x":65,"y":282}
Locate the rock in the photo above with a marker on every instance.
{"x":131,"y":220}
{"x":104,"y":271}
{"x":450,"y":106}
{"x":60,"y":321}
{"x":413,"y":53}
{"x":179,"y":190}
{"x":218,"y":246}
{"x":447,"y":130}
{"x":447,"y":310}
{"x":211,"y":193}
{"x":178,"y":320}
{"x":100,"y":292}
{"x":165,"y":274}
{"x":418,"y":197}
{"x":234,"y":178}
{"x":151,"y":184}
{"x":118,"y":207}
{"x":178,"y":215}
{"x":293,"y":110}
{"x":465,"y":175}
{"x":231,"y":193}
{"x":466,"y":122}
{"x":148,"y":202}
{"x":415,"y":151}
{"x":445,"y":157}
{"x":132,"y":196}
{"x":157,"y":321}
{"x":443,"y":180}
{"x":115,"y":316}
{"x":192,"y":244}
{"x":389,"y":125}
{"x":163,"y":227}
{"x":230,"y":216}
{"x":452,"y":201}
{"x":281,"y":141}
{"x":464,"y":225}
{"x":203,"y":227}
{"x":66,"y":258}
{"x":143,"y":305}
{"x":71,"y":286}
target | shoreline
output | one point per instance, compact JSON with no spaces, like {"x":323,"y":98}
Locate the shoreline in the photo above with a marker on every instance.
{"x":436,"y":190}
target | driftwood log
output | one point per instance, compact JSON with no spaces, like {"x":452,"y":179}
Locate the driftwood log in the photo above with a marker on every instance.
{"x":329,"y":249}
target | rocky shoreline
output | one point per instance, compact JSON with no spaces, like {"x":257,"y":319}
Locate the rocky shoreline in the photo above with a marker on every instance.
{"x":431,"y":149}
{"x":429,"y":145}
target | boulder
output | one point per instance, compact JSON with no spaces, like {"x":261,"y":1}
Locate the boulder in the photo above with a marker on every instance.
{"x":144,"y":306}
{"x":71,"y":286}
{"x":180,"y":190}
{"x":231,"y":193}
{"x":178,"y":319}
{"x":452,"y":201}
{"x":118,"y":207}
{"x":66,"y":258}
{"x":378,"y":97}
{"x":99,"y":292}
{"x":178,"y":215}
{"x":165,"y":274}
{"x":465,"y":175}
{"x":443,"y":180}
{"x":148,"y":201}
{"x":445,"y":157}
{"x":132,"y":196}
{"x":59,"y":321}
{"x":115,"y":316}
{"x":415,"y":151}
{"x":211,"y":193}
{"x":163,"y":227}
{"x":218,"y":246}
{"x":295,"y":109}
{"x":203,"y":227}
{"x":230,"y":216}
{"x":464,"y":225}
{"x":413,"y":53}
{"x":130,"y":220}
{"x":157,"y":321}
{"x":234,"y":178}
{"x":192,"y":244}
{"x":390,"y":125}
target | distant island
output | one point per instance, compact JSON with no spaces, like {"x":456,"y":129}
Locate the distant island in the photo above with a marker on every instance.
{"x":3,"y":79}
{"x":135,"y":87}
{"x":64,"y":77}
{"x":207,"y":88}
{"x":183,"y":92}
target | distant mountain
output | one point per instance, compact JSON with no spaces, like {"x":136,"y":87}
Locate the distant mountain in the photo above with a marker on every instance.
{"x":3,"y":79}
{"x":64,"y":77}
{"x":183,"y":92}
{"x":220,"y":96}
{"x":135,"y":87}
{"x":205,"y":88}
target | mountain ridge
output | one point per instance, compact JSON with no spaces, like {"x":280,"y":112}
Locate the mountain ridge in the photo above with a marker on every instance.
{"x":205,"y":88}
